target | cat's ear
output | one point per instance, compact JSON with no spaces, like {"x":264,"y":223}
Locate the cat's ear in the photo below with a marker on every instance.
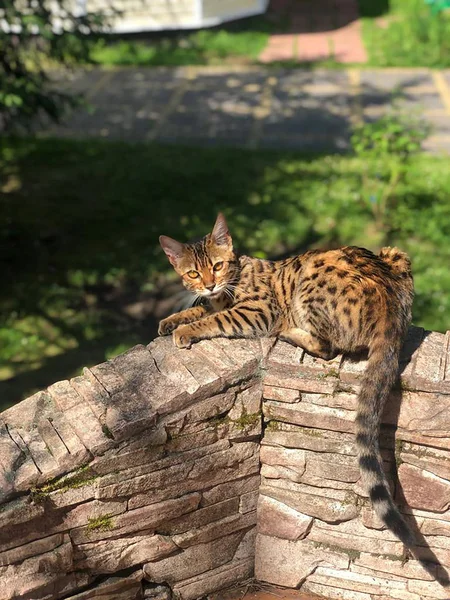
{"x":220,"y":234}
{"x":173,"y":249}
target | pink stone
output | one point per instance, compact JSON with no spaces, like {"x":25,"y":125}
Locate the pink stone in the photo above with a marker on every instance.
{"x":295,"y":560}
{"x":285,"y":457}
{"x":215,"y":579}
{"x":145,"y":518}
{"x":315,"y":505}
{"x":117,"y":554}
{"x":411,"y":569}
{"x":194,"y":560}
{"x":310,"y":415}
{"x":217,"y":529}
{"x":248,"y":502}
{"x":281,"y":394}
{"x":280,"y":520}
{"x":422,"y":489}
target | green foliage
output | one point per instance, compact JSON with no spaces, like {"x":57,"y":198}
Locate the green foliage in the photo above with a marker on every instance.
{"x":438,"y":5}
{"x":413,"y":34}
{"x":200,"y":48}
{"x":373,"y":8}
{"x":80,"y":220}
{"x":393,"y":135}
{"x":38,"y":33}
{"x":391,"y":140}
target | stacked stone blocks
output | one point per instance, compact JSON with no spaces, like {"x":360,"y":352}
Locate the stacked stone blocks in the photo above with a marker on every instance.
{"x":312,"y":512}
{"x":138,"y":479}
{"x":141,"y":478}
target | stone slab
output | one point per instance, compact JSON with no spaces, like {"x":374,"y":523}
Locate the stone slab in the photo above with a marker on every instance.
{"x":295,"y":560}
{"x":145,"y":518}
{"x":113,"y":555}
{"x":194,"y":560}
{"x":279,"y":520}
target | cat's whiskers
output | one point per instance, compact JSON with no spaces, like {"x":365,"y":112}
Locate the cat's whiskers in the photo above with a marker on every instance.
{"x":228,"y":293}
{"x":196,"y":300}
{"x":231,"y":286}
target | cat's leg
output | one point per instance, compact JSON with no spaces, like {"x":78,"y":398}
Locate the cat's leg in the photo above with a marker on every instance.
{"x":233,"y":323}
{"x":194,"y":313}
{"x":310,"y":342}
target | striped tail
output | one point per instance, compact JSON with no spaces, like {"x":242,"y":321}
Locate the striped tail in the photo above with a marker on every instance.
{"x":380,"y":375}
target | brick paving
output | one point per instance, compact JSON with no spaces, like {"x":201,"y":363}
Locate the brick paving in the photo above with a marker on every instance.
{"x":318,"y":30}
{"x":256,"y":107}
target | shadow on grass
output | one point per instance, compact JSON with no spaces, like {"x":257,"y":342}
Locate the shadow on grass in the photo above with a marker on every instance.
{"x":83,"y":275}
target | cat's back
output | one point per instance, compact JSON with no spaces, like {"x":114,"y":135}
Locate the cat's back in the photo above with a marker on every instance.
{"x":356,"y":264}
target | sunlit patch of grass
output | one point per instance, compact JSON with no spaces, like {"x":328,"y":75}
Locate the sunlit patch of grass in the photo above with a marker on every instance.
{"x":409,"y":35}
{"x":201,"y":48}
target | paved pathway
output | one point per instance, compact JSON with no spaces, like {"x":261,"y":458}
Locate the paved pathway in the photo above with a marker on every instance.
{"x":318,"y":30}
{"x":309,"y":110}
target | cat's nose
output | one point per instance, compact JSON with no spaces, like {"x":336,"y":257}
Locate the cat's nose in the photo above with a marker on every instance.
{"x":210,"y":287}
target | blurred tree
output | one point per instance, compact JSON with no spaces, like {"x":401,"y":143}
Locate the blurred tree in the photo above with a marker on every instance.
{"x":438,"y":5}
{"x":34,"y":35}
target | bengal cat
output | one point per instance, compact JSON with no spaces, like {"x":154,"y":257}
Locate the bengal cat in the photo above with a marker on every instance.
{"x":326,"y":302}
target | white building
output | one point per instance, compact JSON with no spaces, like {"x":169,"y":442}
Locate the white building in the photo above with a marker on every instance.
{"x":156,"y":15}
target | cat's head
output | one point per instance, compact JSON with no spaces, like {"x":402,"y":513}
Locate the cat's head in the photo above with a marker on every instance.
{"x":206,"y":267}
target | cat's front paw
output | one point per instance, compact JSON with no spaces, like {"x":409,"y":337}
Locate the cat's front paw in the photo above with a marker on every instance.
{"x":183,"y":337}
{"x":166,"y":326}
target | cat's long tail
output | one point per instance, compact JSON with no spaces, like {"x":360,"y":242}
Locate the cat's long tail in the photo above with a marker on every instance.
{"x":380,"y":375}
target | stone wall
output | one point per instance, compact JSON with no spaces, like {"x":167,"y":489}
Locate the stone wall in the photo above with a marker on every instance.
{"x":141,"y":478}
{"x":312,"y":514}
{"x":153,"y":464}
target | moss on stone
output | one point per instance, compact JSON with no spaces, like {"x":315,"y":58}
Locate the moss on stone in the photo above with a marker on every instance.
{"x":329,"y":373}
{"x":107,"y":432}
{"x":79,"y":478}
{"x":311,"y":432}
{"x":397,"y":453}
{"x":405,"y":387}
{"x":393,"y":557}
{"x":352,"y":554}
{"x":422,"y":452}
{"x":350,"y":499}
{"x":273,"y":426}
{"x":342,"y":387}
{"x":219,"y":420}
{"x":247,"y":419}
{"x":101,"y":523}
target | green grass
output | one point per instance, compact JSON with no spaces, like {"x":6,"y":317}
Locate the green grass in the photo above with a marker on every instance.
{"x":79,"y":227}
{"x":238,"y":42}
{"x":409,"y":35}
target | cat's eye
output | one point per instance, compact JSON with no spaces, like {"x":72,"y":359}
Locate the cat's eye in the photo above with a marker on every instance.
{"x":193,"y":274}
{"x":218,"y":266}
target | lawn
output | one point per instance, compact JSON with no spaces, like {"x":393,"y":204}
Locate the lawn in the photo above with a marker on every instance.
{"x":407,"y":33}
{"x":83,"y":275}
{"x":200,"y":48}
{"x":236,"y":42}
